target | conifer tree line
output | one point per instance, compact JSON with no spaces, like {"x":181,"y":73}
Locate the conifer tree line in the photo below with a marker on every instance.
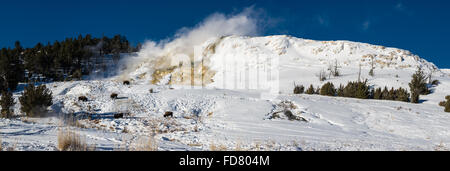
{"x":57,"y":61}
{"x":361,"y":89}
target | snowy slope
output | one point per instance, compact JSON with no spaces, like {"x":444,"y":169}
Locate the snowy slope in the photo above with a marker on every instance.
{"x":222,"y":56}
{"x":219,"y":117}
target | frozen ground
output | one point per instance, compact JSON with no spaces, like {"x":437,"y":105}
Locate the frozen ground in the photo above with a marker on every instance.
{"x":214,"y":118}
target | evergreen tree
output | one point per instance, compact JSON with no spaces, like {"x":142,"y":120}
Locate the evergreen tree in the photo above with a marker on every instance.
{"x":385,"y":94}
{"x":350,"y":90}
{"x":418,"y":83}
{"x":402,"y":95}
{"x":362,"y":91}
{"x":2,"y":84}
{"x":357,"y":89}
{"x":328,"y":89}
{"x":377,"y":94}
{"x":7,"y":101}
{"x":35,"y":100}
{"x":58,"y":60}
{"x":299,"y":89}
{"x":371,"y":93}
{"x":77,"y":74}
{"x":11,"y":69}
{"x":340,"y":91}
{"x":415,"y":96}
{"x":391,"y":94}
{"x":310,"y":90}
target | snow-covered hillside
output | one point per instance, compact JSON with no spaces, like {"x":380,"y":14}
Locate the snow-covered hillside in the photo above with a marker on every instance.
{"x":227,"y":116}
{"x":300,"y":60}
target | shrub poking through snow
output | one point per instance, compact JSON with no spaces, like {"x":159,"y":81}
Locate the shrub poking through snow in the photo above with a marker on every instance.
{"x":328,"y":89}
{"x":82,"y":98}
{"x":288,"y":109}
{"x":113,"y":96}
{"x":70,"y":141}
{"x":310,"y":90}
{"x":35,"y":100}
{"x":146,"y":144}
{"x":446,"y":104}
{"x":151,"y":90}
{"x":126,"y":82}
{"x":299,"y":89}
{"x":7,"y":101}
{"x":322,"y":75}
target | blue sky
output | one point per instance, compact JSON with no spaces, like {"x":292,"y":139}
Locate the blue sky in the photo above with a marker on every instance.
{"x":419,"y":26}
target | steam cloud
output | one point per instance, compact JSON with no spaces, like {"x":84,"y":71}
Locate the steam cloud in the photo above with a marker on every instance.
{"x":183,"y":42}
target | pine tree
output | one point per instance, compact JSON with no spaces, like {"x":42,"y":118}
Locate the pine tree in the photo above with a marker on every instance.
{"x":328,"y":89}
{"x":371,"y":94}
{"x":340,"y":91}
{"x":357,"y":89}
{"x":77,"y":74}
{"x":35,"y":100}
{"x":11,"y":69}
{"x":402,"y":95}
{"x":299,"y":89}
{"x":7,"y":101}
{"x":415,"y":96}
{"x":418,"y":83}
{"x":350,"y":90}
{"x":385,"y":94}
{"x":310,"y":90}
{"x":377,"y":94}
{"x":362,"y":91}
{"x":2,"y":84}
{"x":391,"y":94}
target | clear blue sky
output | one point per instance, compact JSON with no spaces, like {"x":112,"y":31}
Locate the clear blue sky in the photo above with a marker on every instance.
{"x":423,"y":27}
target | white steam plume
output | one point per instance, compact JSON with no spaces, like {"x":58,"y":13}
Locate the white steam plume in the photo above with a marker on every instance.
{"x":242,"y":24}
